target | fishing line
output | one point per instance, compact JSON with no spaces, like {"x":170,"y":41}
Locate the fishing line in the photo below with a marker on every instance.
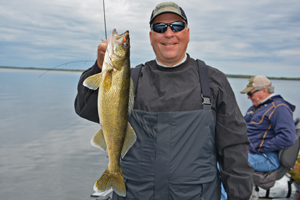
{"x":85,"y":61}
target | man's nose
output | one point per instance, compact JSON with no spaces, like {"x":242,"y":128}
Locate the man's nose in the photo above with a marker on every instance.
{"x":169,"y":31}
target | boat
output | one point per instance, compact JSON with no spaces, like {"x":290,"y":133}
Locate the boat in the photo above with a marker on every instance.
{"x":107,"y":195}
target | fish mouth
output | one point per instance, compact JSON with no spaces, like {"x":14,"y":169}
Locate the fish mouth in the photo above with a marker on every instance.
{"x":122,"y":34}
{"x":118,"y":37}
{"x":115,"y":49}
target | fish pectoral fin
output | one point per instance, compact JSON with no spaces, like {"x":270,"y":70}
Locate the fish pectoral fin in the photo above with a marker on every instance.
{"x":99,"y":141}
{"x":93,"y":82}
{"x":129,"y":140}
{"x":131,"y":97}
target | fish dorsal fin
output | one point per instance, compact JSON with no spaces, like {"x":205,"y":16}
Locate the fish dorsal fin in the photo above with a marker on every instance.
{"x":99,"y":141}
{"x":93,"y":82}
{"x":130,"y":139}
{"x":131,"y":97}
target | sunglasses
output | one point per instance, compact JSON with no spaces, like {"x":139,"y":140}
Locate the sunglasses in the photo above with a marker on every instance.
{"x":251,"y":93}
{"x":162,"y":27}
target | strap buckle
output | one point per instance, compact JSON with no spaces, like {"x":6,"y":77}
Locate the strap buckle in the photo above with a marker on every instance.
{"x":205,"y":100}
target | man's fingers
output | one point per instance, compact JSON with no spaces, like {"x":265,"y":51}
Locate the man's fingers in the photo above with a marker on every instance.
{"x":101,"y":52}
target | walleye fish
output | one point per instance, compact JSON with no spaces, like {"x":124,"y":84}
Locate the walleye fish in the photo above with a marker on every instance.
{"x":115,"y":102}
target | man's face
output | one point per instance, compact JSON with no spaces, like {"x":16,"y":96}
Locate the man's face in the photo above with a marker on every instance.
{"x":255,"y":96}
{"x":169,"y":47}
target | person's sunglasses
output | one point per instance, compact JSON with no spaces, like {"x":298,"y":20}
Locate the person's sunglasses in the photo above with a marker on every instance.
{"x":251,"y":93}
{"x":162,"y":27}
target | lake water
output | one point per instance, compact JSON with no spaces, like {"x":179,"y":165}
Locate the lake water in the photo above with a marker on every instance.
{"x":45,"y":150}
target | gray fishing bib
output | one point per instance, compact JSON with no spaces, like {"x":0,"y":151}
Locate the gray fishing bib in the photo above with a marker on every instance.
{"x":174,"y":157}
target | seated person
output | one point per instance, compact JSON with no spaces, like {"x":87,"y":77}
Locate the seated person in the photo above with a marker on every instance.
{"x":270,"y":124}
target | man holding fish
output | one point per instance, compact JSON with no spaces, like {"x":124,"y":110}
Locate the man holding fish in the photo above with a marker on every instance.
{"x":183,"y":121}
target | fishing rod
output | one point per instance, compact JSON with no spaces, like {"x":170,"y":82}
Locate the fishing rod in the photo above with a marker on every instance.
{"x":104,"y":20}
{"x":81,"y":60}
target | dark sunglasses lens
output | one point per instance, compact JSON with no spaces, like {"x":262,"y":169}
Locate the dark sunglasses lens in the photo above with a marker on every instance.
{"x":159,"y":28}
{"x":177,"y":26}
{"x":250,"y":94}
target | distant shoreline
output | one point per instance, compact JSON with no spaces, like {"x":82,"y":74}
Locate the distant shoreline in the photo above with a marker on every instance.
{"x":42,"y":69}
{"x":80,"y":70}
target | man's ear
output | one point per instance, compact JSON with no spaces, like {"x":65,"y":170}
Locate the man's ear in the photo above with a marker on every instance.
{"x":265,"y":90}
{"x":150,"y":37}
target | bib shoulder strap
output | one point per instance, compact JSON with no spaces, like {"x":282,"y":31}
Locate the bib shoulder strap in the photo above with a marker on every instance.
{"x":135,"y":74}
{"x":204,"y":82}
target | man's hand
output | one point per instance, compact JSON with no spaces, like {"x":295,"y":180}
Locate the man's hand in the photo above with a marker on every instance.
{"x":101,"y":52}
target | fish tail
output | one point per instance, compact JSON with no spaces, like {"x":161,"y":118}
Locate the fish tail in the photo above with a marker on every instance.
{"x":111,"y":180}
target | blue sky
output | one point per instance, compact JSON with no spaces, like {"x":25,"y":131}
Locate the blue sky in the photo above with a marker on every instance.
{"x":237,"y":37}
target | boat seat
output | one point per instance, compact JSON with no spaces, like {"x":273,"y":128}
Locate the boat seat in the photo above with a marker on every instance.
{"x":287,"y":157}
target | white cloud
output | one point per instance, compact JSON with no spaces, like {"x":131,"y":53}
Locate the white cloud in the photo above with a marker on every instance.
{"x":242,"y":33}
{"x":288,"y":52}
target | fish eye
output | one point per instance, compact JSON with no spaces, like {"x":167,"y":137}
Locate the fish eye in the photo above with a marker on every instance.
{"x":125,"y":44}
